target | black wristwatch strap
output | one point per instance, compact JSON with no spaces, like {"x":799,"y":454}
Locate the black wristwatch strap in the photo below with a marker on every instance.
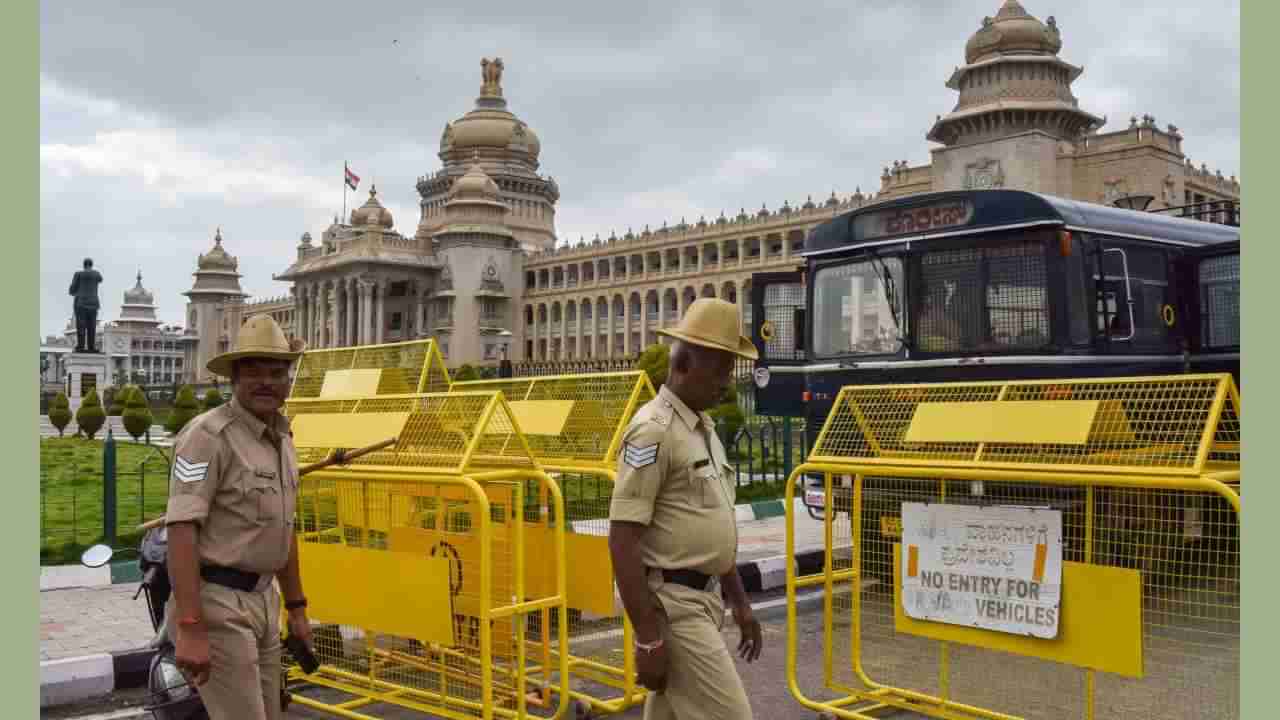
{"x":296,"y":604}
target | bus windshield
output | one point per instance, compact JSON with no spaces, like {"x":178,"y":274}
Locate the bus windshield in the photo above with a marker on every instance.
{"x":990,"y":297}
{"x":858,"y":308}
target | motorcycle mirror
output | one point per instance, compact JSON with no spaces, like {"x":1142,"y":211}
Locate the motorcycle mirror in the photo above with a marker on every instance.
{"x":97,"y":556}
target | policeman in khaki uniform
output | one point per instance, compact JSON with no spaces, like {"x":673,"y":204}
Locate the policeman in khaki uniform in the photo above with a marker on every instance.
{"x":230,"y":533}
{"x":673,"y":537}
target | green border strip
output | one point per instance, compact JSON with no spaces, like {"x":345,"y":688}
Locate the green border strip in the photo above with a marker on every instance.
{"x":20,"y":148}
{"x":1260,"y":586}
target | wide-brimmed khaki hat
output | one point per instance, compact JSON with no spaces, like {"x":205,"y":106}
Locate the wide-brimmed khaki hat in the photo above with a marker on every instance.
{"x":713,"y":323}
{"x":259,"y":337}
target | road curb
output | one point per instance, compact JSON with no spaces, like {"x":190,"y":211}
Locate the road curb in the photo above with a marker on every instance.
{"x":71,"y":680}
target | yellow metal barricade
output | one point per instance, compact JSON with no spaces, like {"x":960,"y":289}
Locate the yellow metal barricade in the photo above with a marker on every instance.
{"x":1130,"y":603}
{"x":429,"y":564}
{"x":574,"y":425}
{"x":414,"y":366}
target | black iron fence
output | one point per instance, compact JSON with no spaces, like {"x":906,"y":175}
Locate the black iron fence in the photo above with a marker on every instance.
{"x":82,"y":505}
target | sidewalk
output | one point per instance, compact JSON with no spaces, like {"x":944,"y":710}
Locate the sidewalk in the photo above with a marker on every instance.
{"x":92,"y":630}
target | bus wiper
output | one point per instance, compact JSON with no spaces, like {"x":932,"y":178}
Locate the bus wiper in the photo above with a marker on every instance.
{"x":890,"y":294}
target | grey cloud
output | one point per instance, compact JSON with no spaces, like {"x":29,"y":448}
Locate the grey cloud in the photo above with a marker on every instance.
{"x":638,"y":100}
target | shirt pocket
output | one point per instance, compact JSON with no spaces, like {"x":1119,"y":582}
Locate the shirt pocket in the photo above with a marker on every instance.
{"x":262,"y":491}
{"x":704,"y":481}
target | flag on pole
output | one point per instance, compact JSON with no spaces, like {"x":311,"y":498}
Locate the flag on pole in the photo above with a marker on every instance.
{"x":352,"y":179}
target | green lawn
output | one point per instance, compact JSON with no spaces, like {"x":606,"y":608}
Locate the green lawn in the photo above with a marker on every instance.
{"x":71,"y":496}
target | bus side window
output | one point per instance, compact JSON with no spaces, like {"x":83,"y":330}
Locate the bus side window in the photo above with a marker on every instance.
{"x":1133,"y":290}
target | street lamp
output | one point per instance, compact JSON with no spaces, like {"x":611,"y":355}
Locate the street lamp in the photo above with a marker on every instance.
{"x":1134,"y":202}
{"x":504,"y":367}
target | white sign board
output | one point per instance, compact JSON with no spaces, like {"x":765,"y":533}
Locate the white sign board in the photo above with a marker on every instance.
{"x":994,"y":567}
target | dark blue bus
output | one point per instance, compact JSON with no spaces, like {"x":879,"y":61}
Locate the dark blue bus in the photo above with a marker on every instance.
{"x":993,"y":285}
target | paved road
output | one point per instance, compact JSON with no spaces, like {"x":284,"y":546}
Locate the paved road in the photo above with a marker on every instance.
{"x":770,"y":699}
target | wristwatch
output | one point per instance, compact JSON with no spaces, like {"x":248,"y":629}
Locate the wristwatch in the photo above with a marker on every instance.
{"x":296,"y":604}
{"x":649,"y":647}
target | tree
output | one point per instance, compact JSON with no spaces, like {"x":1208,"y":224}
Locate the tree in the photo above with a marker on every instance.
{"x":655,"y":361}
{"x":212,"y":399}
{"x":60,"y":412}
{"x":185,"y":407}
{"x":90,"y":417}
{"x":137,"y":414}
{"x":466,"y":372}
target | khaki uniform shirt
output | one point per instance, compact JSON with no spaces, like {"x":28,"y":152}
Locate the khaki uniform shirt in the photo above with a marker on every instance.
{"x":674,"y":477}
{"x":237,"y":479}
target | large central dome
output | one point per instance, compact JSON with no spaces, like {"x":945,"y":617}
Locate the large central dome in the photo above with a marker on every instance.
{"x":490,"y":128}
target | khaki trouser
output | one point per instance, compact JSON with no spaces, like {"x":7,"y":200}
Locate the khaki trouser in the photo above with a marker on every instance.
{"x":702,"y":682}
{"x":244,"y":652}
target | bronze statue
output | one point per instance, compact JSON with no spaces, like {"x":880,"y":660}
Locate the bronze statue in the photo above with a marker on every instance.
{"x":84,"y":288}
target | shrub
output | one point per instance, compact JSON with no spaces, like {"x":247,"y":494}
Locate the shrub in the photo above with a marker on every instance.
{"x":60,"y":412}
{"x":655,"y":361}
{"x":90,"y":417}
{"x":729,"y":420}
{"x":137,"y":415}
{"x":466,"y":372}
{"x":185,"y":407}
{"x":113,"y":399}
{"x":213,"y":399}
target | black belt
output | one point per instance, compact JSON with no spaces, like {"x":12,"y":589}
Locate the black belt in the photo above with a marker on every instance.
{"x":688,"y":578}
{"x":230,"y":577}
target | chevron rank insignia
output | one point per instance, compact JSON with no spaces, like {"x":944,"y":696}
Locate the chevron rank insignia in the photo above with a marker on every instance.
{"x":639,"y":457}
{"x":188,"y":472}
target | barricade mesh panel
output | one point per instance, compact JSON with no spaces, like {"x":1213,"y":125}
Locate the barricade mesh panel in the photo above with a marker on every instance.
{"x":407,"y":367}
{"x":1155,"y":424}
{"x":363,"y":516}
{"x":1178,"y":538}
{"x":599,"y":408}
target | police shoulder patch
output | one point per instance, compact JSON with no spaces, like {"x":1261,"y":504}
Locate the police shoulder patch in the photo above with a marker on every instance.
{"x":639,"y":457}
{"x":187,"y":471}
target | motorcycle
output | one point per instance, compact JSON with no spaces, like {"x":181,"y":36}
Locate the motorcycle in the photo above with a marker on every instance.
{"x":170,"y":695}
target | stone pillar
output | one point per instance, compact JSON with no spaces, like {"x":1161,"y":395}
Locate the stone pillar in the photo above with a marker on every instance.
{"x":365,"y":289}
{"x":382,"y":306}
{"x":349,"y":286}
{"x":626,"y":324}
{"x":537,"y":333}
{"x":609,"y":351}
{"x":300,"y":325}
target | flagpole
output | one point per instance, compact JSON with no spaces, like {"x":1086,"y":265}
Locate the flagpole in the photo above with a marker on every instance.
{"x":344,"y":191}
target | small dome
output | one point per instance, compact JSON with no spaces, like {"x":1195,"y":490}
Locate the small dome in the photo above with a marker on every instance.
{"x":139,"y":295}
{"x":764,"y":211}
{"x":1012,"y":31}
{"x":474,"y":185}
{"x":808,"y":203}
{"x":217,"y":258}
{"x":306,"y":240}
{"x":372,"y":212}
{"x":832,"y":201}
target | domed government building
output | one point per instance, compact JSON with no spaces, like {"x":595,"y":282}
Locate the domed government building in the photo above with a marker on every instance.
{"x":483,"y":272}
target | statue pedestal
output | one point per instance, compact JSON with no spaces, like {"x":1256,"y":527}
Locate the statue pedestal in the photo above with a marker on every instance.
{"x":86,"y":371}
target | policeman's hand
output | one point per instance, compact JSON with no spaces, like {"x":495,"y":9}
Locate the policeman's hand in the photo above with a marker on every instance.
{"x":651,"y":668}
{"x":192,"y":653}
{"x":752,"y":637}
{"x":300,"y":626}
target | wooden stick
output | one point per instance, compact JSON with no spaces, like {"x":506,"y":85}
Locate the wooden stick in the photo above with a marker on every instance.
{"x":337,"y":457}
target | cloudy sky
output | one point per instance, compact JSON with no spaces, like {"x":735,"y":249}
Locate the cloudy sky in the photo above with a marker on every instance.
{"x":160,"y":124}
